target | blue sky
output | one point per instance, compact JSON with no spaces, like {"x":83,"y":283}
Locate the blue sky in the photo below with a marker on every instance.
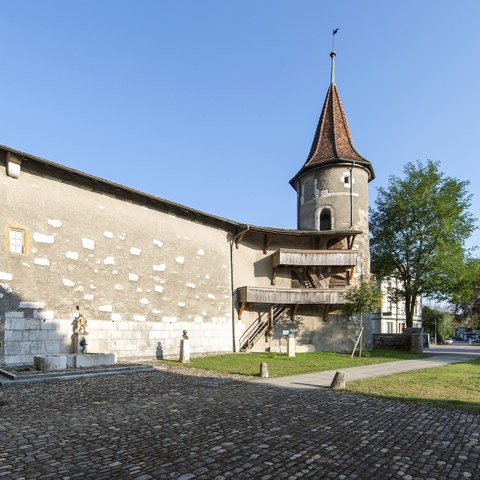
{"x":214,"y":103}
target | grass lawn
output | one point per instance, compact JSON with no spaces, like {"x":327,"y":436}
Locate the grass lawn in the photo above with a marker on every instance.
{"x":455,"y":386}
{"x":279,"y":365}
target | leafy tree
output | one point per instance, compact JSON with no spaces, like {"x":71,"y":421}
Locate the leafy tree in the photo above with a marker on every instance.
{"x":418,"y":229}
{"x":431,"y":318}
{"x":466,"y":300}
{"x":362,"y":299}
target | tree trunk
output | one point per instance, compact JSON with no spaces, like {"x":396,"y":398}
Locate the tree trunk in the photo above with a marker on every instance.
{"x":409,"y":309}
{"x":410,"y":303}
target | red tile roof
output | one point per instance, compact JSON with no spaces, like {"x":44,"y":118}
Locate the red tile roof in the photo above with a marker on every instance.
{"x":332,"y":142}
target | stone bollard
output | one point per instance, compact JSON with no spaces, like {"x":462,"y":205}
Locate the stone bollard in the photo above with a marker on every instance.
{"x":185,"y":348}
{"x":263,"y":370}
{"x":291,"y":346}
{"x":338,"y":382}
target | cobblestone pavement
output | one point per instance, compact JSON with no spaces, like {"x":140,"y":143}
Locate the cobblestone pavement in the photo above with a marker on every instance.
{"x":164,"y":425}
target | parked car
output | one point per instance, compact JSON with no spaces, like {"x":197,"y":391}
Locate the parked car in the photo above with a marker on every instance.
{"x":448,"y":341}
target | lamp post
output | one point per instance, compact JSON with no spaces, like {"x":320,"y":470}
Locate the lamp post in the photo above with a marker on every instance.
{"x":435,"y":328}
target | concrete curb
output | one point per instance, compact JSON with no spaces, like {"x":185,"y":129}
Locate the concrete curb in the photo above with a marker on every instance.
{"x":72,"y":375}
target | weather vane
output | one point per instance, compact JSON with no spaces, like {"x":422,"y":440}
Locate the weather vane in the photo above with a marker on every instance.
{"x":335,"y":31}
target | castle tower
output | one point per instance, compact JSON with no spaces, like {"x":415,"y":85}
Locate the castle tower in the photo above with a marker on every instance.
{"x":332,"y":185}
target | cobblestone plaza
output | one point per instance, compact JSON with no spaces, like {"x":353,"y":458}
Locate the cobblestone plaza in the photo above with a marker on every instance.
{"x":164,"y":425}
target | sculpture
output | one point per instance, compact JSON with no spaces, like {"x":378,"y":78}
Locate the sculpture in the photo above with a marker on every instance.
{"x":81,"y":325}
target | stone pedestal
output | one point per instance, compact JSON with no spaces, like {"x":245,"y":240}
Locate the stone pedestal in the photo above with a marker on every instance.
{"x":263,"y":370}
{"x":291,"y":346}
{"x":185,"y":350}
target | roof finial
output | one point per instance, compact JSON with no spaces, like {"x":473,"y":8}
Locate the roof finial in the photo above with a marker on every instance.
{"x":332,"y":77}
{"x":332,"y":56}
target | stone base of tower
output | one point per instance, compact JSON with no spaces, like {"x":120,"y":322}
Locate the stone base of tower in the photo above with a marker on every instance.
{"x":316,"y":329}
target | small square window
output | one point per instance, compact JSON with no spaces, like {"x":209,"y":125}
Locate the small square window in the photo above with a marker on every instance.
{"x":346,"y":179}
{"x":16,"y":239}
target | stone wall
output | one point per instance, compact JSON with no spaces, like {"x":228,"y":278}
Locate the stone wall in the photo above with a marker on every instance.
{"x":26,"y":336}
{"x":412,"y":339}
{"x":139,"y":275}
{"x":391,"y":340}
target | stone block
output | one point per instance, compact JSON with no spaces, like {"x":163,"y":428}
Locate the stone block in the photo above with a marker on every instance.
{"x":117,"y":335}
{"x":17,"y":336}
{"x":52,"y":347}
{"x":49,"y":325}
{"x":44,"y":314}
{"x":39,"y":335}
{"x":50,"y":363}
{"x":306,"y":348}
{"x":70,"y":360}
{"x":12,"y":348}
{"x":53,"y":334}
{"x":19,"y":359}
{"x":15,"y":323}
{"x":117,"y":345}
{"x":94,"y":360}
{"x":34,"y":305}
{"x":32,"y":324}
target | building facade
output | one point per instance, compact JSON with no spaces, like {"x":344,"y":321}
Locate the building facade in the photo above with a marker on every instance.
{"x":142,"y":269}
{"x":391,"y":316}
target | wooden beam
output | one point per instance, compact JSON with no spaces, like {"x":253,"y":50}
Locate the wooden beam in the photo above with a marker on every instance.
{"x":240,"y":238}
{"x":350,"y":240}
{"x":266,"y":243}
{"x":350,"y":274}
{"x":241,"y":309}
{"x":294,"y":312}
{"x":274,"y":274}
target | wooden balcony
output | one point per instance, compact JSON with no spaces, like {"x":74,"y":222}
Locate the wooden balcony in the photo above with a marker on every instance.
{"x":290,"y":296}
{"x":314,"y":258}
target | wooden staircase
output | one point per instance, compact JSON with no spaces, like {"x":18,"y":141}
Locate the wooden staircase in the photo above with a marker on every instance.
{"x":257,"y":329}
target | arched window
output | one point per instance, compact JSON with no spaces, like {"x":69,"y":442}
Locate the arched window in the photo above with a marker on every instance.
{"x":325,"y":220}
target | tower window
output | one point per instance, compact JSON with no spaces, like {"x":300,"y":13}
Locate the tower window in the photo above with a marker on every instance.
{"x":346,"y":179}
{"x":325,"y":220}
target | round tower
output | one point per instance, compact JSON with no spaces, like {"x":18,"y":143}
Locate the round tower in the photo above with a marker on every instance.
{"x":332,"y":185}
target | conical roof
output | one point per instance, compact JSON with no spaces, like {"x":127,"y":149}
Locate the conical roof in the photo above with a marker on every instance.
{"x":332,"y":142}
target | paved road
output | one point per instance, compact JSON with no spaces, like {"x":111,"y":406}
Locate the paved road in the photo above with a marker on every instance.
{"x":439,"y":356}
{"x":164,"y":425}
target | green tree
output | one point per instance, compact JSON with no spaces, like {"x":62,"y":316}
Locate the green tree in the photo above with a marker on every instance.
{"x":433,"y":318}
{"x":362,"y":299}
{"x":418,"y":229}
{"x":466,"y":300}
